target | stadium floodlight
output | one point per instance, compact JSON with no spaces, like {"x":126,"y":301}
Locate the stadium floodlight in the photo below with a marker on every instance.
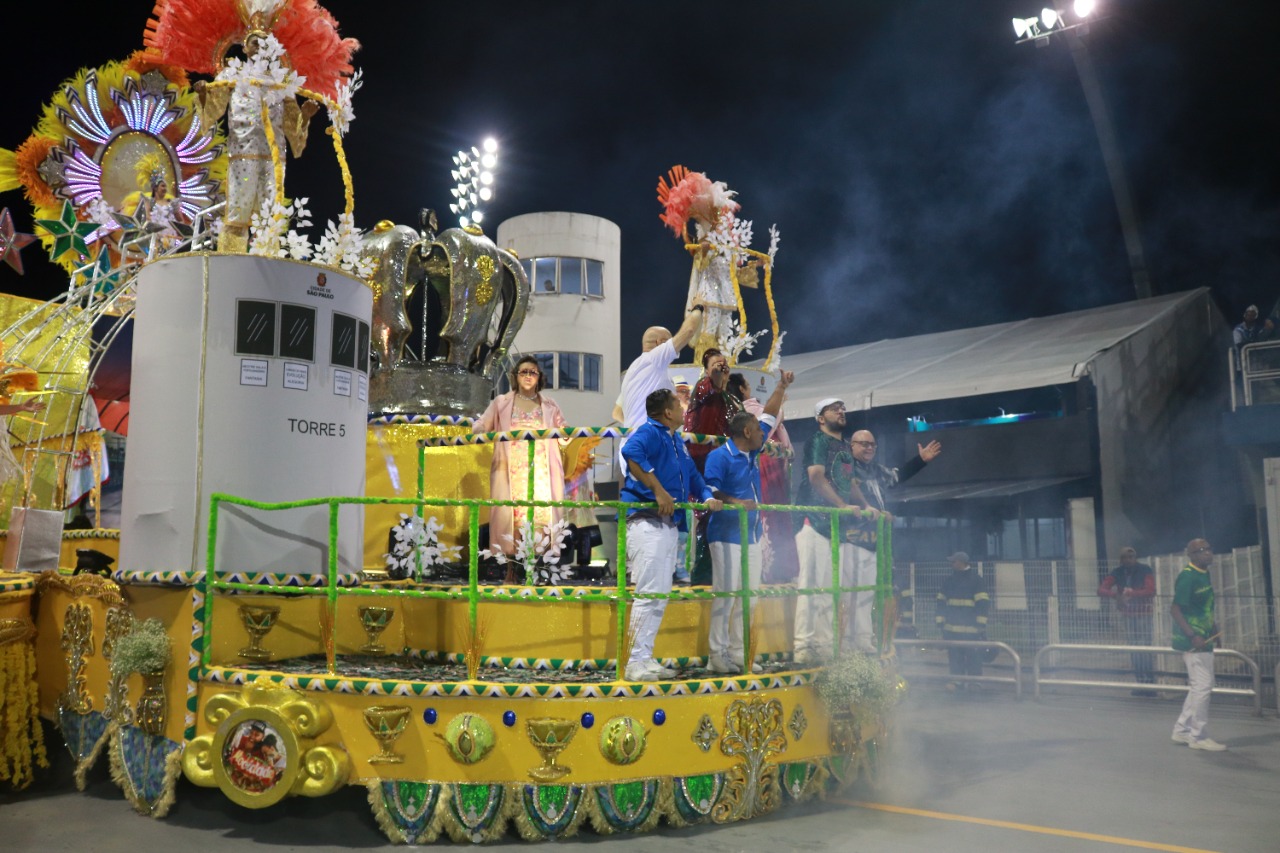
{"x":1026,"y":27}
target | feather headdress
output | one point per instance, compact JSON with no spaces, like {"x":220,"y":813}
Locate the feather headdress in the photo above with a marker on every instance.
{"x":196,"y":34}
{"x":692,"y":195}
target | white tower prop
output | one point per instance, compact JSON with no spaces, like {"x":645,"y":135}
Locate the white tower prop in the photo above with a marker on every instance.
{"x":250,"y":377}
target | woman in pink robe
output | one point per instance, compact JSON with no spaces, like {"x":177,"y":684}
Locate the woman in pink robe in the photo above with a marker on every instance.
{"x":524,"y":407}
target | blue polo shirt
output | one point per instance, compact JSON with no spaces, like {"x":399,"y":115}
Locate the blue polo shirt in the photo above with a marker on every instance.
{"x":736,"y":474}
{"x":660,"y":451}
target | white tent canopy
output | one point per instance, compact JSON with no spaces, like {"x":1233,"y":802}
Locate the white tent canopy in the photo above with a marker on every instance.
{"x":1029,"y":353}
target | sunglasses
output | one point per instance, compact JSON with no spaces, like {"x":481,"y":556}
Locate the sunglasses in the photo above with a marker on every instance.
{"x":529,"y":373}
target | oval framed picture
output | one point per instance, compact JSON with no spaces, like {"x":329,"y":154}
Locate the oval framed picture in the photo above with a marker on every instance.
{"x":256,"y":757}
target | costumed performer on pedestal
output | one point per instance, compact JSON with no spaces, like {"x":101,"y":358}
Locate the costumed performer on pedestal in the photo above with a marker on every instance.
{"x":717,"y":235}
{"x":287,"y":44}
{"x":524,"y":407}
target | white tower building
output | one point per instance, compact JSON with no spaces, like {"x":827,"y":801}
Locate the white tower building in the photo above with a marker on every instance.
{"x":574,"y":320}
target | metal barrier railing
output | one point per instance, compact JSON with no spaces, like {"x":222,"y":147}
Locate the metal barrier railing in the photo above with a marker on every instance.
{"x":1259,"y":364}
{"x":1255,"y":691}
{"x":474,"y":595}
{"x":1015,"y":679}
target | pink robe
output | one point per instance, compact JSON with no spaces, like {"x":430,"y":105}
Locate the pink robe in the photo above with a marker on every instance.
{"x":509,"y":475}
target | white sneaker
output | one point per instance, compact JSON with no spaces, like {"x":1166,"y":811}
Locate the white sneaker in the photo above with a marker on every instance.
{"x":866,"y":646}
{"x":1180,"y":738}
{"x":724,"y":666}
{"x":667,"y":672}
{"x":808,"y":657}
{"x":640,"y":672}
{"x":648,"y":671}
{"x":1208,"y":744}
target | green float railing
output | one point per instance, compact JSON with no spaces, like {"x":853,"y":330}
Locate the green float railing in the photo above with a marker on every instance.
{"x":475,"y":594}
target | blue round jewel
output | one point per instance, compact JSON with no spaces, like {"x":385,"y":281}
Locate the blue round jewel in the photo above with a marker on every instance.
{"x":429,"y":716}
{"x":508,"y":718}
{"x":659,"y":717}
{"x":588,"y":720}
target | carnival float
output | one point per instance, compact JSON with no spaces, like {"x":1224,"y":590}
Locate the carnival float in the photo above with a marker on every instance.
{"x":299,"y":597}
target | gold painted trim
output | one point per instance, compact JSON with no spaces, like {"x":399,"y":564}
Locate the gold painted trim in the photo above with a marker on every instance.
{"x":16,"y":630}
{"x":83,"y":586}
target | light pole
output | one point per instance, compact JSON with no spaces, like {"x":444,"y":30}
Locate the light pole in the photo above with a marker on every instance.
{"x":1039,"y":30}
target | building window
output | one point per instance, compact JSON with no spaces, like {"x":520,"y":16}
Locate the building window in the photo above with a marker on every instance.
{"x":565,"y":275}
{"x":595,"y":278}
{"x":570,"y":368}
{"x":571,"y":275}
{"x":547,"y":361}
{"x":567,"y":371}
{"x":590,"y":372}
{"x":544,"y":275}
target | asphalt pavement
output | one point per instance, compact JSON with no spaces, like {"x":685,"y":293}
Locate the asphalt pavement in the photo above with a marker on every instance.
{"x":964,"y":772}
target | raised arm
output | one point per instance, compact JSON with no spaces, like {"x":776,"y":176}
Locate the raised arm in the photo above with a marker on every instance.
{"x":692,"y":323}
{"x":773,"y":406}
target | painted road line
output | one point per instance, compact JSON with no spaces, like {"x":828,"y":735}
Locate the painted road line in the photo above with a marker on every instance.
{"x":1021,"y":827}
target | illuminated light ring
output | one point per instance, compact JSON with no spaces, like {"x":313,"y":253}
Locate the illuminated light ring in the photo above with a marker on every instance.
{"x":98,"y":107}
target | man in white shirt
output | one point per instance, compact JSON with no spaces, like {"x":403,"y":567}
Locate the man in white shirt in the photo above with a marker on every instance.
{"x":648,"y":372}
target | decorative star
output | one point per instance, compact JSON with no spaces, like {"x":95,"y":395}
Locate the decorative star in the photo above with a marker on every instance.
{"x":103,"y":273}
{"x":131,"y":228}
{"x":12,"y":242}
{"x":68,"y":232}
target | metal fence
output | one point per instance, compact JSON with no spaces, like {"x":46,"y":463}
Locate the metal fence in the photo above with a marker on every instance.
{"x":1258,"y":368}
{"x":1035,"y":604}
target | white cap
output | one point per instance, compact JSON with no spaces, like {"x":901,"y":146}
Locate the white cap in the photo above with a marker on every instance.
{"x":823,"y":403}
{"x":679,"y":380}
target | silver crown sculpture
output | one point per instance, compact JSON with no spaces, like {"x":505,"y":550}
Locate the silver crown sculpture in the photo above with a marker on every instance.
{"x":483,"y":296}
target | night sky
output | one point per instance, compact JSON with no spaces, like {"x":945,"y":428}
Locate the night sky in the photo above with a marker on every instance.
{"x":926,"y":172}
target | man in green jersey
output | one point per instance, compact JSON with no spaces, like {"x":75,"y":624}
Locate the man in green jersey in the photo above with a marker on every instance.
{"x":1194,"y":633}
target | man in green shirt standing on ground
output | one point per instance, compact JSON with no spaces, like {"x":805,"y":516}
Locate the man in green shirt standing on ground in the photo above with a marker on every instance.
{"x":1194,"y":633}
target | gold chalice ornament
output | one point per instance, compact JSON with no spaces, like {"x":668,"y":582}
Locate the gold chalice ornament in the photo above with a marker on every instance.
{"x":550,"y":736}
{"x":375,"y":620}
{"x":258,"y":621}
{"x":385,"y":723}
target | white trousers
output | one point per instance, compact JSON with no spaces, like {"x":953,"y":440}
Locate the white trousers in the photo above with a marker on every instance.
{"x":1193,"y":722}
{"x":864,"y":574}
{"x":813,"y":612}
{"x":651,"y":551}
{"x":726,"y":640}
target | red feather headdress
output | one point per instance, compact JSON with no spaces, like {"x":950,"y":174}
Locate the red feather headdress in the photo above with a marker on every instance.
{"x":196,"y":34}
{"x":692,"y":195}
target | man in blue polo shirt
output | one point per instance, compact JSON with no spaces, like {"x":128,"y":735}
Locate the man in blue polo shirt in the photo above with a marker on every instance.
{"x":659,"y":470}
{"x":733,"y":473}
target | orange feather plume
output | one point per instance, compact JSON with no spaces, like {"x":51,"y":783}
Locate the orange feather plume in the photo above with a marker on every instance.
{"x":29,"y":156}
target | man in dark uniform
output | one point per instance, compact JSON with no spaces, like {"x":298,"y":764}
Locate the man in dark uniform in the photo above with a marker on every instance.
{"x":963,"y":603}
